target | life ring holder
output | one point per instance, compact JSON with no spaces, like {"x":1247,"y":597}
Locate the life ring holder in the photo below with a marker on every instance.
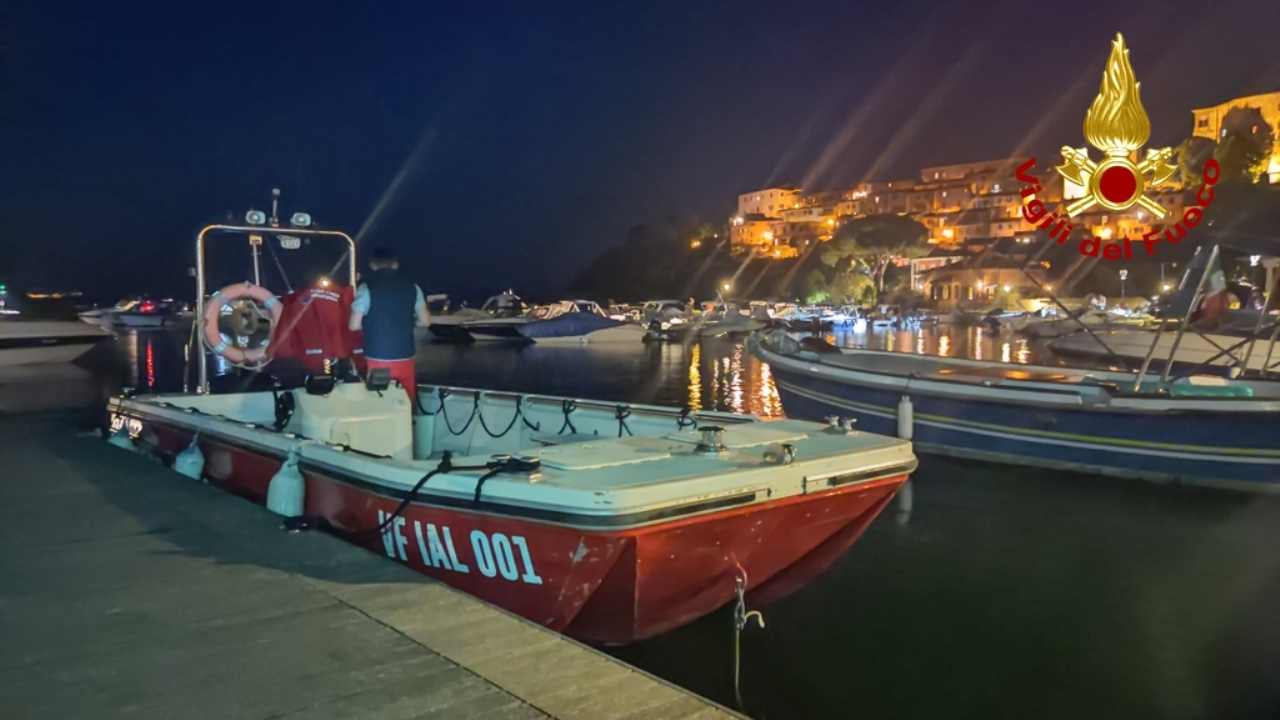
{"x":217,"y":341}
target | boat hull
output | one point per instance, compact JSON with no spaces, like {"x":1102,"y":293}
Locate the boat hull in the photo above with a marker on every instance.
{"x":1115,"y":444}
{"x":1203,"y":447}
{"x":45,"y":342}
{"x":47,"y":355}
{"x":1193,"y":349}
{"x":128,"y":319}
{"x":607,"y":587}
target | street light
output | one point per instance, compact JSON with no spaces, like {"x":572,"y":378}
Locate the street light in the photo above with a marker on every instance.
{"x":726,"y":286}
{"x":1124,"y":275}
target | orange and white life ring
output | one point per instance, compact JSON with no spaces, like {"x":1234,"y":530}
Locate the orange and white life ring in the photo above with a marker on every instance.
{"x":233,"y":322}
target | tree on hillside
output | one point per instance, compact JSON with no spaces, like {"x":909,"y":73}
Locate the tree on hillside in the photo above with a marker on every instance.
{"x":1192,"y":154}
{"x":872,"y":243}
{"x":813,"y":289}
{"x":854,"y":288}
{"x":1244,"y":145}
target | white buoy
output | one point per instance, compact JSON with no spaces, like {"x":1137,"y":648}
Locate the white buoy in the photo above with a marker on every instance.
{"x":190,"y":462}
{"x":120,"y":438}
{"x":906,"y":420}
{"x":287,"y":491}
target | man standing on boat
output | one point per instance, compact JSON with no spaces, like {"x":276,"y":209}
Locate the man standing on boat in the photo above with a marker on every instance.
{"x":385,"y":307}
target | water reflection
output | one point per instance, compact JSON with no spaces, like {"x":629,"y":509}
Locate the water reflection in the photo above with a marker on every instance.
{"x":695,"y":377}
{"x":975,"y":342}
{"x":151,"y":364}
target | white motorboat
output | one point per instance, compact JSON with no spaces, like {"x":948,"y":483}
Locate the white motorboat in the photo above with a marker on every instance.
{"x":573,"y":322}
{"x":720,"y":319}
{"x":607,"y":521}
{"x":46,"y":341}
{"x":1057,"y":325}
{"x":665,"y":319}
{"x":1133,"y":345}
{"x":137,"y":312}
{"x":495,"y":320}
{"x":567,"y":322}
{"x":446,"y":326}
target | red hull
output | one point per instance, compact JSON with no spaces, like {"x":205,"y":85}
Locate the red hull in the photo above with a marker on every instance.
{"x":609,"y":587}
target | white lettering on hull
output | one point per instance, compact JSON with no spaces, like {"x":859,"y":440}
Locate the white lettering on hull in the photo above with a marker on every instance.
{"x":494,"y":554}
{"x":393,"y":539}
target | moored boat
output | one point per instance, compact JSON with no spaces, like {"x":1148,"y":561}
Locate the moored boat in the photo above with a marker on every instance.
{"x":665,"y":319}
{"x":137,"y":312}
{"x":1212,"y":350}
{"x":568,"y":322}
{"x":1201,"y":430}
{"x":36,"y":342}
{"x":608,"y":522}
{"x":452,"y":326}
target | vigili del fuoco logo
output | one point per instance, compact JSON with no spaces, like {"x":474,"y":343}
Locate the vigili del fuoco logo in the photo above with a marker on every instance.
{"x":1117,"y":126}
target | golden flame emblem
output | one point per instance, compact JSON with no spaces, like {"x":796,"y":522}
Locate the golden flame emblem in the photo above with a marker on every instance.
{"x":1117,"y":125}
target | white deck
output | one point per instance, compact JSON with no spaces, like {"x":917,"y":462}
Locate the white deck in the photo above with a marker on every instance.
{"x":588,"y":474}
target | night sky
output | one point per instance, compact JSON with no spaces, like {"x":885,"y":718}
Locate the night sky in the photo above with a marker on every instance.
{"x":506,"y":146}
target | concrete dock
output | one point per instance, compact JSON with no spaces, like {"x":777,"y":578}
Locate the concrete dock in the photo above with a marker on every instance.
{"x":130,"y":591}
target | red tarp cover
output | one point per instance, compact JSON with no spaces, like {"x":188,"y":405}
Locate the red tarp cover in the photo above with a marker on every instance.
{"x":313,"y":327}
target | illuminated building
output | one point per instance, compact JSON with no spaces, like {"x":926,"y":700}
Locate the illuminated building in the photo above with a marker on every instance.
{"x":769,"y":202}
{"x":966,"y":207}
{"x":1207,"y":123}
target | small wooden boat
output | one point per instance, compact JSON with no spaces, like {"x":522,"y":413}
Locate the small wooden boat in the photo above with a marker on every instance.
{"x":1202,"y":430}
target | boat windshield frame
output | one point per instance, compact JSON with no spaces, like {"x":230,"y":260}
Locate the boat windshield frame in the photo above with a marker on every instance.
{"x":247,"y":231}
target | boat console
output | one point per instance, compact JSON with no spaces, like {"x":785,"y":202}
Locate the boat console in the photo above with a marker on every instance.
{"x":378,"y":423}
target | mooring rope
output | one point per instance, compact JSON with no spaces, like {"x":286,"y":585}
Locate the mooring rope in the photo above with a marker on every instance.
{"x":740,"y":619}
{"x":567,"y":407}
{"x":621,"y":413}
{"x":496,"y":466}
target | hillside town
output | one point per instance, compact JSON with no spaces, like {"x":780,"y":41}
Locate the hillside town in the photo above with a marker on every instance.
{"x":972,"y":212}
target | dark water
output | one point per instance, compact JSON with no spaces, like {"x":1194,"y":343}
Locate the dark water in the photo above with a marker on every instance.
{"x":1001,"y":593}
